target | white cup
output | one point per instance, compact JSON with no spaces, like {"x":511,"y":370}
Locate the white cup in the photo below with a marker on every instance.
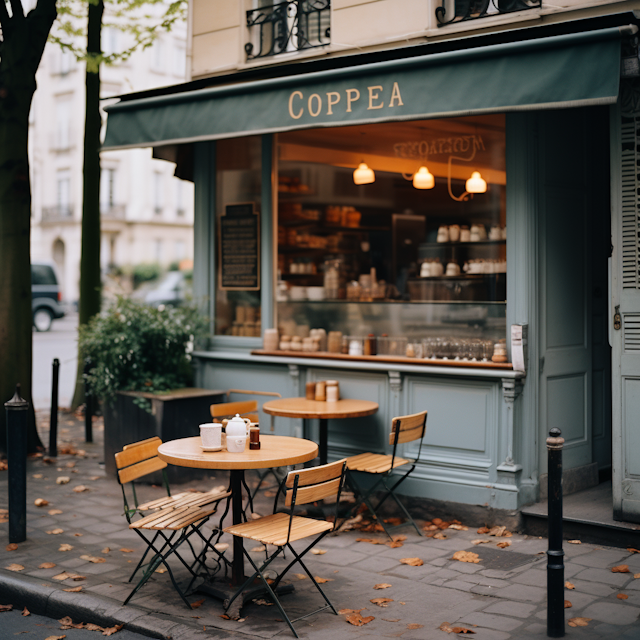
{"x":211,"y":435}
{"x":332,"y":393}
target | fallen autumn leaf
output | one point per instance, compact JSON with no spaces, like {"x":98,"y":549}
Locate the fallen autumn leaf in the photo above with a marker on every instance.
{"x":65,"y":547}
{"x":414,"y":625}
{"x":358,"y":621}
{"x":622,"y":596}
{"x":47,"y":565}
{"x":412,"y":562}
{"x":569,"y":585}
{"x":55,"y":532}
{"x":381,"y":585}
{"x":15,"y":567}
{"x":579,"y":622}
{"x":504,"y":545}
{"x":322,"y":580}
{"x":6,"y":607}
{"x":54,"y":512}
{"x":93,"y":559}
{"x":12,"y":546}
{"x":26,"y":612}
{"x":567,"y":604}
{"x":197,"y":603}
{"x":621,"y":568}
{"x":466,"y":556}
{"x":80,"y":488}
{"x":318,"y":552}
{"x":63,"y":480}
{"x":40,"y":502}
{"x":74,"y":589}
{"x":480,"y":541}
{"x":381,"y":602}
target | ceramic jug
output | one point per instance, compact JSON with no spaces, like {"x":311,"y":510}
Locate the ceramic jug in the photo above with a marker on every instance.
{"x":237,"y":434}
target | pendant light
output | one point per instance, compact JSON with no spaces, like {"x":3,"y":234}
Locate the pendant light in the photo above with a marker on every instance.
{"x":476,"y":184}
{"x":363,"y":174}
{"x":422,"y":179}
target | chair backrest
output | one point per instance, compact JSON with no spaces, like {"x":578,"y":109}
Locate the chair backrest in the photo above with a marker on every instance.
{"x":314,"y":484}
{"x":138,"y":459}
{"x":408,"y":428}
{"x":245,"y":408}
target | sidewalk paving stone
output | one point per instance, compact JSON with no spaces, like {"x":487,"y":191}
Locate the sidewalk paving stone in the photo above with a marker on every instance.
{"x":504,"y":604}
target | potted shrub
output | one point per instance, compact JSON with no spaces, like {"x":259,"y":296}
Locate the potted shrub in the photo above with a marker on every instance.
{"x":142,"y":374}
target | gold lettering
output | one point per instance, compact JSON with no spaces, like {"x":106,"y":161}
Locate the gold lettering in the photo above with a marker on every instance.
{"x":356,"y":95}
{"x":291,"y":97}
{"x":331,"y":102}
{"x":374,"y":96}
{"x":395,"y":95}
{"x":315,"y":113}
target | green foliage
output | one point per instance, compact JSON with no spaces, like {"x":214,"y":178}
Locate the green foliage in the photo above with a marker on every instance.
{"x":135,"y":347}
{"x":145,"y":272}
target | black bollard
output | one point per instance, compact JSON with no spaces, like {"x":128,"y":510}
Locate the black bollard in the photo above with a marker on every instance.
{"x":53,"y":419}
{"x":555,"y":554}
{"x":17,"y":412}
{"x":88,"y":403}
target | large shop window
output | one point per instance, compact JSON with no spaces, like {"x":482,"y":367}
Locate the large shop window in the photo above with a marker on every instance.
{"x":406,"y":263}
{"x":238,"y":191}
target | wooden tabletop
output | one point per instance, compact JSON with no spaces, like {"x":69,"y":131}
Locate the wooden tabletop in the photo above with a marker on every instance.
{"x":303,"y":408}
{"x":275,"y":451}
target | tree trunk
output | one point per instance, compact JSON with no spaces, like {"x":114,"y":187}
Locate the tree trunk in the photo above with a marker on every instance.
{"x":90,"y":282}
{"x":23,"y":41}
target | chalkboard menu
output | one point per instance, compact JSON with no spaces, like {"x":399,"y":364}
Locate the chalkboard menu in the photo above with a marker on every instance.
{"x":240,"y":248}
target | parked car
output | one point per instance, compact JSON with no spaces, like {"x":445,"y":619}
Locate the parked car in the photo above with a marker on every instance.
{"x":172,"y":290}
{"x":45,"y":296}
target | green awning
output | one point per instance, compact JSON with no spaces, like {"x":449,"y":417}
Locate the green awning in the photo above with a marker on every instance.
{"x":548,"y":73}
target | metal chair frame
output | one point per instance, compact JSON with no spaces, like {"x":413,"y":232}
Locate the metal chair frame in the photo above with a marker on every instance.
{"x":363,"y":496}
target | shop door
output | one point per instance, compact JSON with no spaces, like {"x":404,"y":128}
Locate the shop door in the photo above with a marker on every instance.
{"x":565,"y":285}
{"x":625,"y":313}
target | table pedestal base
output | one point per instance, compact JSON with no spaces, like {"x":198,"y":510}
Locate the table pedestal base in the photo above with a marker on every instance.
{"x":222,"y":590}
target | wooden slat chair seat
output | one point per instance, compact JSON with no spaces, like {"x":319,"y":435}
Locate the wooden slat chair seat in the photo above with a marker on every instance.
{"x":281,"y":529}
{"x":404,"y":429}
{"x":173,"y":519}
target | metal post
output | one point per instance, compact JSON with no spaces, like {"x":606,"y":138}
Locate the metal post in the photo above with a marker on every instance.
{"x":88,"y":404}
{"x":53,"y":418}
{"x":17,"y":412}
{"x":555,"y":554}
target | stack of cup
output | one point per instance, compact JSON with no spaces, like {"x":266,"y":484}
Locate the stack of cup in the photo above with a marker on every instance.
{"x":332,"y":391}
{"x":270,"y":341}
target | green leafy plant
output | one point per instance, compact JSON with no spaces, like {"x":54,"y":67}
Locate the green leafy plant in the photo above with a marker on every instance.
{"x":135,"y":347}
{"x":145,"y":272}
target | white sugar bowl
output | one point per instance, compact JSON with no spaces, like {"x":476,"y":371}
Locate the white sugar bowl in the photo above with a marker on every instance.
{"x":237,"y":433}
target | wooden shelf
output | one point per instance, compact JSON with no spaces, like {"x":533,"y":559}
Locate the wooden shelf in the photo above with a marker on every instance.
{"x":325,"y":355}
{"x":461,"y":244}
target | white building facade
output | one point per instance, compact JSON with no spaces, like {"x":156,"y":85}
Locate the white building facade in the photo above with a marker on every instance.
{"x":146,"y":212}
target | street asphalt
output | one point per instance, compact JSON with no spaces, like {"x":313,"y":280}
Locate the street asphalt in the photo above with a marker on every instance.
{"x":501,"y":597}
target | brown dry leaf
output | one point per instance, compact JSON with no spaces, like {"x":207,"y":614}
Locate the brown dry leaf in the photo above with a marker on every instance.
{"x":318,"y":552}
{"x":54,"y":512}
{"x":382,"y":585}
{"x":394,"y":544}
{"x":504,"y":545}
{"x":47,"y":565}
{"x":131,"y":550}
{"x":622,"y":596}
{"x":56,"y":637}
{"x":106,"y":550}
{"x":390,"y":619}
{"x":37,"y":476}
{"x":480,"y":541}
{"x":567,"y":604}
{"x":348,"y":612}
{"x":499,"y":532}
{"x":300,"y":576}
{"x":74,"y":589}
{"x":70,"y":465}
{"x":483,"y":530}
{"x":322,"y":580}
{"x":78,"y":577}
{"x":445,"y":626}
{"x":574,"y":541}
{"x":94,"y":478}
{"x":632,"y":550}
{"x":161,"y":570}
{"x":55,"y":532}
{"x":458,"y":527}
{"x":412,"y":562}
{"x":12,"y":546}
{"x":15,"y":567}
{"x":371,"y":540}
{"x":430,"y":527}
{"x":65,"y":547}
{"x":636,"y":575}
{"x":78,"y":535}
{"x":466,"y":556}
{"x":109,"y":631}
{"x":6,"y":607}
{"x":65,"y":575}
{"x":569,"y":585}
{"x":440,"y":536}
{"x":257,"y":549}
{"x":358,"y":621}
{"x":414,"y":625}
{"x":197,"y":603}
{"x":93,"y":559}
{"x":40,"y":502}
{"x":381,"y":602}
{"x":264,"y":603}
{"x":26,"y":612}
{"x":579,"y":622}
{"x":80,"y":488}
{"x":621,"y":568}
{"x":63,"y":480}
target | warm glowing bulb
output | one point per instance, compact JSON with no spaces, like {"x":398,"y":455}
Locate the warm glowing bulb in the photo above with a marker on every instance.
{"x":363,"y":174}
{"x":475,"y":184}
{"x":422,"y":179}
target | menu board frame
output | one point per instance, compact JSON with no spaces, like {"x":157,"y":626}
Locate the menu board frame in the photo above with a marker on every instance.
{"x":228,"y":208}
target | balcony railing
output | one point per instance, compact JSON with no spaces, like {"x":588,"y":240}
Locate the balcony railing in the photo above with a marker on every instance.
{"x":113,"y":211}
{"x":461,"y":10}
{"x":288,"y":26}
{"x":57,"y":213}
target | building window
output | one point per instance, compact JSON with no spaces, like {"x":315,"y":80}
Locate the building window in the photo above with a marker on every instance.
{"x":158,"y":193}
{"x":282,"y":27}
{"x":66,"y":58}
{"x":452,"y":11}
{"x":179,"y":60}
{"x":107,"y":189}
{"x":63,"y":192}
{"x":157,"y":250}
{"x":180,"y":211}
{"x":109,"y":41}
{"x":63,"y":124}
{"x":158,"y":56}
{"x":179,"y":250}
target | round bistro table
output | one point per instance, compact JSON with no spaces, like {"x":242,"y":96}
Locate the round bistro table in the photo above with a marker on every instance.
{"x":275,"y":451}
{"x":324,"y":411}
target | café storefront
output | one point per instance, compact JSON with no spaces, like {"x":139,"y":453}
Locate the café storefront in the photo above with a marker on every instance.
{"x":397,"y":222}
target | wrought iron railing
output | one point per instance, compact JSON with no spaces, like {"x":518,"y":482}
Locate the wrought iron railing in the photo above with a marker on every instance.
{"x":288,"y":26}
{"x":113,"y":211}
{"x":475,"y":9}
{"x":57,"y":213}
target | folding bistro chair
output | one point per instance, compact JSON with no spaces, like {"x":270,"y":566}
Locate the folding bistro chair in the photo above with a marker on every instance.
{"x":403,"y":429}
{"x":281,"y":529}
{"x":173,"y":519}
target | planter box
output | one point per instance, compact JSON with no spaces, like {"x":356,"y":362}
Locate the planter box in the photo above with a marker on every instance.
{"x":175,"y":414}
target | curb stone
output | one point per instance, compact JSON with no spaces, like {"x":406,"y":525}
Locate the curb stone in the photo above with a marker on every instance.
{"x":25,"y":591}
